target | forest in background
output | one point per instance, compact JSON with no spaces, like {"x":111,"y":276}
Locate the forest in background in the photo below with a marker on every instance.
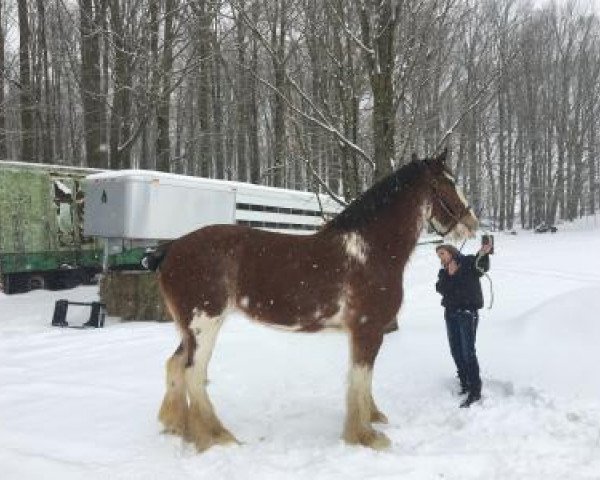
{"x":324,"y":95}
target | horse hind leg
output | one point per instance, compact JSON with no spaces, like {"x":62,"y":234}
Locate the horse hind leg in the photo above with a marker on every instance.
{"x":174,"y":407}
{"x":204,"y":428}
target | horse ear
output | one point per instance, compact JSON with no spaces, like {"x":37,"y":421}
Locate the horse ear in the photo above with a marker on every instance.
{"x":438,"y":164}
{"x":442,"y":157}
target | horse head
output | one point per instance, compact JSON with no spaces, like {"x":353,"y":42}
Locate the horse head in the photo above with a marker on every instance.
{"x":449,"y":212}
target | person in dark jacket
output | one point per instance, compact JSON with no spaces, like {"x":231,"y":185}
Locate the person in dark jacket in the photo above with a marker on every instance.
{"x":458,"y":283}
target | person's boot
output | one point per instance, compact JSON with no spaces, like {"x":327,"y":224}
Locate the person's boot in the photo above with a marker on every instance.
{"x":474,"y":396}
{"x":464,"y":385}
{"x":471,"y":398}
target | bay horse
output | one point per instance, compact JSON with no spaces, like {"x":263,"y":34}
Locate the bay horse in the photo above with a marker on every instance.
{"x":346,"y":276}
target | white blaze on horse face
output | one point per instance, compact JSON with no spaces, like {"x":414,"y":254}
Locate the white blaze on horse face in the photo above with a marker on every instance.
{"x":355,"y":246}
{"x":426,"y":211}
{"x":437,"y":225}
{"x":468,"y":223}
{"x":461,"y":195}
{"x":460,"y":232}
{"x":449,"y":177}
{"x":466,"y":226}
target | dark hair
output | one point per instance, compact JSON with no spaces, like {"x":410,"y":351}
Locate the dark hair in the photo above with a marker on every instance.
{"x":451,"y":249}
{"x":377,"y":198}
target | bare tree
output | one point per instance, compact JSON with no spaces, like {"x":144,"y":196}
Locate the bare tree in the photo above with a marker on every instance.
{"x":27,"y":134}
{"x":3,"y":146}
{"x":163,"y":110}
{"x":93,"y":100}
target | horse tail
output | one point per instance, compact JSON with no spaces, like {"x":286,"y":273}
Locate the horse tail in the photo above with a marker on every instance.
{"x":153,"y":258}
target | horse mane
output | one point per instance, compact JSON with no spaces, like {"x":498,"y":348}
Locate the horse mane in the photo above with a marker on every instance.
{"x":377,"y":198}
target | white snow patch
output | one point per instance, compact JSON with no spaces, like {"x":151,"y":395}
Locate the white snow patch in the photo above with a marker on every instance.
{"x":82,"y":403}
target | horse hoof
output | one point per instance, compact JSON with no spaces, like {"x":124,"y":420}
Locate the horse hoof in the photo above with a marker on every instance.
{"x":201,"y":441}
{"x":378,"y":417}
{"x":205,"y":439}
{"x":173,"y":419}
{"x":180,"y":432}
{"x":380,"y":442}
{"x":225,"y":437}
{"x":369,"y":438}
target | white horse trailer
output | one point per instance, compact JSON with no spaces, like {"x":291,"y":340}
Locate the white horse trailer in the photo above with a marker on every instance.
{"x":143,"y":205}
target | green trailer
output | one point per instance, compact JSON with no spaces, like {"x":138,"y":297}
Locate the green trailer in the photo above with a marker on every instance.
{"x":41,"y":229}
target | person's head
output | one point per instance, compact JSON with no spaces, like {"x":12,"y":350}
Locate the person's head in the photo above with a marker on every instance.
{"x":446,"y":253}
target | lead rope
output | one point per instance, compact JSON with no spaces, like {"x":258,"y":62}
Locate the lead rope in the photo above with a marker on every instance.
{"x":480,"y":270}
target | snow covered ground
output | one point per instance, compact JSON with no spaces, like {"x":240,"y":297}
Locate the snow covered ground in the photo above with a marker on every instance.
{"x":78,"y":404}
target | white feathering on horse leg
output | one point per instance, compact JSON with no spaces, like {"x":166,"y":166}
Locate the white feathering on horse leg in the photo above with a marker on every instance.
{"x":174,"y":407}
{"x":358,"y":429}
{"x":204,"y":428}
{"x":377,"y":416}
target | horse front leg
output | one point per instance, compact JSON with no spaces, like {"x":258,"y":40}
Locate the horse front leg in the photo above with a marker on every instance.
{"x":361,"y":408}
{"x":204,"y":428}
{"x":377,"y":416}
{"x":174,"y":407}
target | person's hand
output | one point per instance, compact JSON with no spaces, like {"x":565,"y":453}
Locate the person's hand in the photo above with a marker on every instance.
{"x":485,"y":249}
{"x":452,"y":267}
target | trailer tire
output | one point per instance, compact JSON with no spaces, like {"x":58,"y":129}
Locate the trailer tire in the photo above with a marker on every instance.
{"x":67,"y":279}
{"x":36,"y":282}
{"x":13,"y":283}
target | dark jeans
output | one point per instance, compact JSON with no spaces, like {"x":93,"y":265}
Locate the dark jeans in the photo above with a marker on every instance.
{"x":461,"y":326}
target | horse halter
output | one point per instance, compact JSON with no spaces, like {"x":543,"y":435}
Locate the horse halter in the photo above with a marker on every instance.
{"x":456,"y":217}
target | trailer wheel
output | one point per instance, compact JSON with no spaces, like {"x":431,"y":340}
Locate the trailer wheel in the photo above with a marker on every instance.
{"x":65,"y":279}
{"x":36,"y":282}
{"x":13,"y":283}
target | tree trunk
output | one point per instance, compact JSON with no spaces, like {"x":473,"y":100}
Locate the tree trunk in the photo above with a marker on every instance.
{"x":163,"y":110}
{"x":221,"y":163}
{"x":27,"y":134}
{"x":204,"y":90}
{"x":253,"y":112}
{"x":47,"y":124}
{"x":592,"y":171}
{"x":501,"y":155}
{"x":278,"y":41}
{"x":510,"y":175}
{"x":120,"y":127}
{"x":94,"y":110}
{"x":3,"y":143}
{"x":380,"y":61}
{"x":241,"y":100}
{"x":521,"y":176}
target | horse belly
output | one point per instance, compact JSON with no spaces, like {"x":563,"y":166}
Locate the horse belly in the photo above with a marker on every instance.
{"x":284,"y":314}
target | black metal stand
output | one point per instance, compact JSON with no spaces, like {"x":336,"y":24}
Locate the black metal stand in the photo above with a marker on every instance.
{"x":97,"y":314}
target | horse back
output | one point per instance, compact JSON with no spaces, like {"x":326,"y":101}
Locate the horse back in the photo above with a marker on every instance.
{"x":286,"y":280}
